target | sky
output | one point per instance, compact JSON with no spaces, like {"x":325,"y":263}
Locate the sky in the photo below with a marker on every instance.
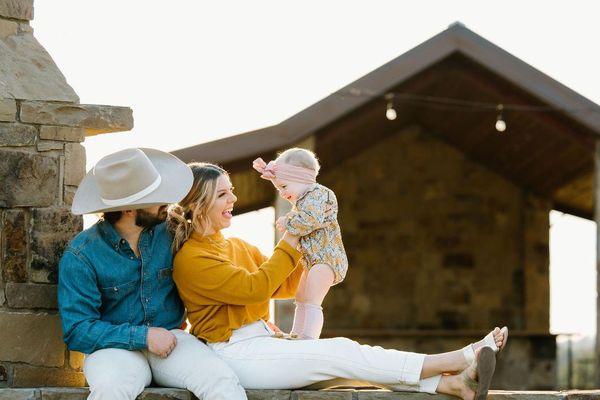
{"x":196,"y":71}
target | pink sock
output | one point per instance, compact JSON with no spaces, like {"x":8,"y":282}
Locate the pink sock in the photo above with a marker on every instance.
{"x":313,"y":321}
{"x":299,"y":314}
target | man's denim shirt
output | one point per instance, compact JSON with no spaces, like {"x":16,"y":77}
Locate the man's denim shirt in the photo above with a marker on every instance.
{"x":108,"y":297}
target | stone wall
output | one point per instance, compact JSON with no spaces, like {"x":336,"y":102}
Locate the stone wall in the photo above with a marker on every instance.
{"x":437,"y":242}
{"x":42,"y":162}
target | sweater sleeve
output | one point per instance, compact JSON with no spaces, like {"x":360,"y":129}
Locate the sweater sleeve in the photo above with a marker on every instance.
{"x":224,"y":282}
{"x":288,"y":288}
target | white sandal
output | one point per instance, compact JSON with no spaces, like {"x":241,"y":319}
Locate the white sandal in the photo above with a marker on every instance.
{"x":484,"y":371}
{"x":488,"y":341}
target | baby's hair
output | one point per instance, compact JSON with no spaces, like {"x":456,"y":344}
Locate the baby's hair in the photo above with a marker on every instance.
{"x":300,"y":158}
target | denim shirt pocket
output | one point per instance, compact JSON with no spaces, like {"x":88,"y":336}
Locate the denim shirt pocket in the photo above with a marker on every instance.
{"x":116,"y":300}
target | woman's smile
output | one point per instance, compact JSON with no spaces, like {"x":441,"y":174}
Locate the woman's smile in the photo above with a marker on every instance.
{"x":228,"y":213}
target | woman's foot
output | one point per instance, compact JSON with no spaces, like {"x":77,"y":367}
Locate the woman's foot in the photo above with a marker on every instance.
{"x":474,"y":381}
{"x":496,"y":340}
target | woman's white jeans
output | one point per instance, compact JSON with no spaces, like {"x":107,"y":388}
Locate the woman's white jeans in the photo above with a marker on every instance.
{"x":264,"y":362}
{"x":116,"y":374}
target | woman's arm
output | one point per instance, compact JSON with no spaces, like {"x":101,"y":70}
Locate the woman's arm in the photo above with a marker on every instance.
{"x":224,"y":282}
{"x":288,"y":288}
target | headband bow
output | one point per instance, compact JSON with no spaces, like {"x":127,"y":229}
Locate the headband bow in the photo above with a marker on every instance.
{"x":279,"y":169}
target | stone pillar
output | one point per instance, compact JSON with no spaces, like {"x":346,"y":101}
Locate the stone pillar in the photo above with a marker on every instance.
{"x":536,"y":266}
{"x":284,"y":309}
{"x":41,"y":130}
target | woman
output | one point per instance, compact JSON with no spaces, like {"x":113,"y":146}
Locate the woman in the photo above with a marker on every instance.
{"x":226,"y":285}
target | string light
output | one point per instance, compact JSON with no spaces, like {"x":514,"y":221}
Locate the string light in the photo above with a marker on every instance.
{"x":449,"y":104}
{"x":390,"y":113}
{"x":500,"y":123}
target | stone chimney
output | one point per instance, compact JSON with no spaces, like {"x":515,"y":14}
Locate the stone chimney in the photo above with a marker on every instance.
{"x":42,"y":161}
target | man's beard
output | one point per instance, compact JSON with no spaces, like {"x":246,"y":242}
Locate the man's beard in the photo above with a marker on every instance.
{"x":148,"y":220}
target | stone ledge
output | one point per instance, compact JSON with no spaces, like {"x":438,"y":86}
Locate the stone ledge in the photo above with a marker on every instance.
{"x":18,"y":9}
{"x":95,"y":119}
{"x":346,"y":394}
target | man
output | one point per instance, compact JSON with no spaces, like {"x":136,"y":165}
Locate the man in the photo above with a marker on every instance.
{"x":117,"y":299}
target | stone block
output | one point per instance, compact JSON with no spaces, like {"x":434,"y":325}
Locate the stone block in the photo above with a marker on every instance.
{"x":3,"y":374}
{"x":24,"y":27}
{"x":165,"y":394}
{"x":76,"y":360}
{"x":17,"y":9}
{"x":32,"y":179}
{"x":74,"y":163}
{"x":30,"y":295}
{"x":29,"y":73}
{"x":31,"y":338}
{"x":264,"y":394}
{"x":69,"y":194}
{"x":52,"y":230}
{"x":8,"y":28}
{"x":13,"y":134}
{"x":8,"y":110}
{"x":94,"y":118}
{"x":26,"y":376}
{"x":321,"y":395}
{"x":49,"y":145}
{"x":64,"y":393}
{"x":385,"y":395}
{"x":64,"y":133}
{"x":14,"y":252}
{"x":19,"y":394}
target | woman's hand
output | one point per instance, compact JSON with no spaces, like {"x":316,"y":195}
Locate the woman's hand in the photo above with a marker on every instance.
{"x":292,"y":240}
{"x":280,"y":223}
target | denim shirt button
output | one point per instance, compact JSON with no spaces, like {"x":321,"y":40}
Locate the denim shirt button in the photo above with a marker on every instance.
{"x":116,"y":289}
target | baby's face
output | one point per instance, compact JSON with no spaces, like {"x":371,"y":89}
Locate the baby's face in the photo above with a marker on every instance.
{"x":290,"y":190}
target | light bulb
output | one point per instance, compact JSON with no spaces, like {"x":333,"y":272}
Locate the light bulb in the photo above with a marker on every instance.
{"x":390,"y":113}
{"x":500,"y":125}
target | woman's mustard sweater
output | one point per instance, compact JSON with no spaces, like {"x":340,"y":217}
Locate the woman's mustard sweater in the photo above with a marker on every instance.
{"x":227,"y":283}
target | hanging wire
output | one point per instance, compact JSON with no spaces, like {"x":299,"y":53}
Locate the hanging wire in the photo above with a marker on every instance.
{"x":453,"y":103}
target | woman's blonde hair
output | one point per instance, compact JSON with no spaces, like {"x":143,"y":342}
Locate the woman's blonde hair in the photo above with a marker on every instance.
{"x":190,"y":214}
{"x":300,"y":158}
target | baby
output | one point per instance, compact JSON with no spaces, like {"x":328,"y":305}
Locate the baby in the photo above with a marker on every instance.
{"x":314,"y":218}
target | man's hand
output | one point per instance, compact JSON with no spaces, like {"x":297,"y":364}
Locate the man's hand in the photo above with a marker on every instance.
{"x":161,"y":342}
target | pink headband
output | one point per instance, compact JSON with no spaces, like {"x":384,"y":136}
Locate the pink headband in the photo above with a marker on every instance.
{"x":281,"y":170}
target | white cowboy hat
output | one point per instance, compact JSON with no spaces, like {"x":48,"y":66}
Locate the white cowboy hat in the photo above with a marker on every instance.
{"x":132,"y":179}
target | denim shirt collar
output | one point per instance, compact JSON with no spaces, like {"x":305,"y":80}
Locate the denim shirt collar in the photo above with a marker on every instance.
{"x":110,"y":234}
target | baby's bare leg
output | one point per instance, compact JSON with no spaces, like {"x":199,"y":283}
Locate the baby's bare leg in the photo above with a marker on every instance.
{"x":318,"y":281}
{"x":299,"y":311}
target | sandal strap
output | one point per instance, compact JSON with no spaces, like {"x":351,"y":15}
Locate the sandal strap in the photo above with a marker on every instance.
{"x":469,"y":353}
{"x":490,"y":342}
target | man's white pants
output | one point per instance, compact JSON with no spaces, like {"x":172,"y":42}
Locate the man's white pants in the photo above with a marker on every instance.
{"x":264,"y":362}
{"x":116,"y":374}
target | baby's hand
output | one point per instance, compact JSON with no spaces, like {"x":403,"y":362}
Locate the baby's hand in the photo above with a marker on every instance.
{"x":280,"y":223}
